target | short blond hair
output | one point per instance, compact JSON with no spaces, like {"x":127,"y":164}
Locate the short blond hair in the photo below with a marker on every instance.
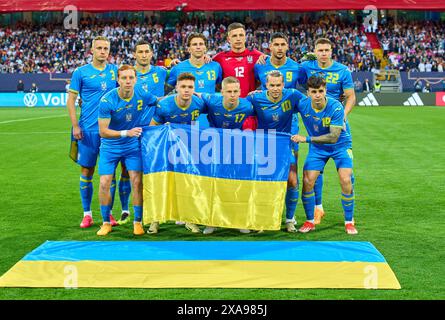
{"x":229,"y":80}
{"x":100,"y":38}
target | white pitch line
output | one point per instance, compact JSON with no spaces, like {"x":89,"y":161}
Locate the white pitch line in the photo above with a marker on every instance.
{"x":29,"y":119}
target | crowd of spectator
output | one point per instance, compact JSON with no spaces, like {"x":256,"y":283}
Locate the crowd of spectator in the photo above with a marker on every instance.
{"x":414,"y":46}
{"x":50,"y":48}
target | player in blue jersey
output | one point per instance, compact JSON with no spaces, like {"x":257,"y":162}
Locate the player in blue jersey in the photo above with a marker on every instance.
{"x":90,"y":82}
{"x":324,"y":119}
{"x":183,"y":107}
{"x":228,"y":111}
{"x":208,"y":75}
{"x":151,"y":78}
{"x":338,"y":82}
{"x":120,"y":111}
{"x":274,"y":109}
{"x":278,"y":60}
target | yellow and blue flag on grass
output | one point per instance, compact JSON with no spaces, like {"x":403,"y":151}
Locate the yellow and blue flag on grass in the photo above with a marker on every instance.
{"x":215,"y":177}
{"x":203,"y":264}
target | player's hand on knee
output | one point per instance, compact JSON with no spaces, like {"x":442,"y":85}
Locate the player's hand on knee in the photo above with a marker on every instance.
{"x":77,"y":133}
{"x":135,"y":132}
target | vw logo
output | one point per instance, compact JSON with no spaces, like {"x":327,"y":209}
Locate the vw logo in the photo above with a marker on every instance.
{"x":30,"y":99}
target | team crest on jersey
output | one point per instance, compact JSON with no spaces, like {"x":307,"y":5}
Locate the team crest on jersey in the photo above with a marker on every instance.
{"x":145,"y":87}
{"x":316,"y":128}
{"x":128,"y":117}
{"x":275,"y":117}
{"x":249,"y":59}
{"x":103,"y":85}
{"x":225,"y":124}
{"x":201,"y":84}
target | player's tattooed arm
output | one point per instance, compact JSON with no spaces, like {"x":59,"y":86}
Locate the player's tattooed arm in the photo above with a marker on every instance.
{"x":331,"y":137}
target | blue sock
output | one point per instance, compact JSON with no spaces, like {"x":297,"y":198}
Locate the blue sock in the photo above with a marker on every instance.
{"x":292,"y":195}
{"x":308,"y":199}
{"x":105,"y":212}
{"x":112,"y":191}
{"x":347,"y":201}
{"x":86,"y":192}
{"x":124,"y":192}
{"x":318,"y":189}
{"x":137,"y":213}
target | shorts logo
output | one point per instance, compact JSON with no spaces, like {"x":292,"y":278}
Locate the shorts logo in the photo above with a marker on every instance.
{"x":30,"y":99}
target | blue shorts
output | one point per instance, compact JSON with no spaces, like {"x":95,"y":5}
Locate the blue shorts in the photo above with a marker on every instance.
{"x":88,"y":148}
{"x":317,"y":158}
{"x":109,"y":160}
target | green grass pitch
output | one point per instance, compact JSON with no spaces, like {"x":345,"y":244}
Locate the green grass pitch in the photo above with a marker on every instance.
{"x":399,"y":159}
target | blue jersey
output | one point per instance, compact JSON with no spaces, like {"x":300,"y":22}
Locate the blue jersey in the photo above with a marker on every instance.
{"x":169,"y":111}
{"x":317,"y":123}
{"x":220,"y":117}
{"x":276,"y":115}
{"x":91,"y":84}
{"x":124,"y":114}
{"x":290,"y":71}
{"x":153,"y":81}
{"x":207,"y":76}
{"x":338,"y":77}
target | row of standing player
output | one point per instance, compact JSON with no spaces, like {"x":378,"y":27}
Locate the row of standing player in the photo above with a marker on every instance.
{"x":95,"y":79}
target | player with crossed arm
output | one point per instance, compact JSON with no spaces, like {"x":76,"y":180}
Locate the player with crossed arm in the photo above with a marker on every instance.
{"x":323,"y":118}
{"x":338,"y":82}
{"x":91,"y":82}
{"x":185,"y":108}
{"x":278,"y":61}
{"x":120,"y":112}
{"x":228,"y":111}
{"x":274,"y":109}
